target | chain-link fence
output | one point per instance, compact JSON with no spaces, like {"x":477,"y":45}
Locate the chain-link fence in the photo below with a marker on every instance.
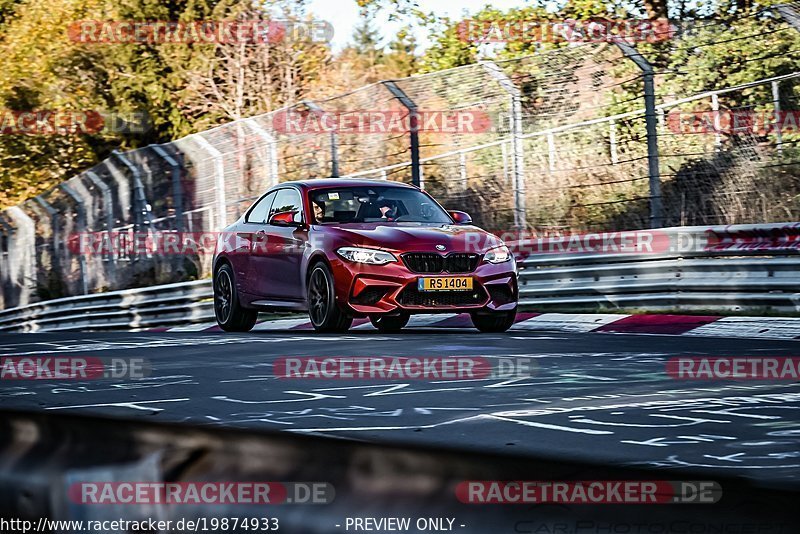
{"x":556,"y":142}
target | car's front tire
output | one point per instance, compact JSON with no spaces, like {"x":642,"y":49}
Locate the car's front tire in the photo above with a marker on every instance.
{"x":493,"y":322}
{"x":231,"y":316}
{"x":323,"y":311}
{"x":389,"y":323}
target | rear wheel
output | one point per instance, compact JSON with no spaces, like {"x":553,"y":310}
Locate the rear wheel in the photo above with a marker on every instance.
{"x":493,"y":322}
{"x":325,"y":315}
{"x":389,"y":323}
{"x":231,"y":317}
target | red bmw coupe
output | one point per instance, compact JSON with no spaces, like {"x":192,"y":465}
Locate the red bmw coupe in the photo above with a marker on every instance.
{"x":342,"y":249}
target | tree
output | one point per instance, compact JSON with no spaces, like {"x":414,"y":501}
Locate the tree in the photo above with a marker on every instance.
{"x":182,"y":87}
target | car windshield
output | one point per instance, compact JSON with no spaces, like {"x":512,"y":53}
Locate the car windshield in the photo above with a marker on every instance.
{"x":375,"y":204}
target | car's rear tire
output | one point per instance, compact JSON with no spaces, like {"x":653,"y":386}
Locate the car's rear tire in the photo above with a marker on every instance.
{"x":389,"y":323}
{"x":493,"y":322}
{"x":231,"y":316}
{"x":325,"y":314}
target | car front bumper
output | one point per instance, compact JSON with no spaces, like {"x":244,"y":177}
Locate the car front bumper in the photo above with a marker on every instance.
{"x":392,"y":288}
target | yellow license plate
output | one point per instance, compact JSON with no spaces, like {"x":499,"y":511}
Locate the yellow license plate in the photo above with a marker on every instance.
{"x":440,"y":283}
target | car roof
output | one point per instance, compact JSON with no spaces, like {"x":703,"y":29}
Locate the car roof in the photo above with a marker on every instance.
{"x":342,"y":182}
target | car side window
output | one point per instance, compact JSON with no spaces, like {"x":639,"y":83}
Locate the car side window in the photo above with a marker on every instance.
{"x":259,"y":212}
{"x":287,"y":200}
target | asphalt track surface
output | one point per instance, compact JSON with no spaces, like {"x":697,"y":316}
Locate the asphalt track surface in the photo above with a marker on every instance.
{"x":603,"y":397}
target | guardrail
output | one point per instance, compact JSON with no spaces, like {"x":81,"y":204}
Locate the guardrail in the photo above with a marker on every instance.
{"x":741,"y":267}
{"x":129,"y":309}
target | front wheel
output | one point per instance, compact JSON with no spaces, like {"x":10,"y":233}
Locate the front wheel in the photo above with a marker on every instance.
{"x":389,"y":323}
{"x":325,"y":315}
{"x":494,"y":322}
{"x":230,"y":315}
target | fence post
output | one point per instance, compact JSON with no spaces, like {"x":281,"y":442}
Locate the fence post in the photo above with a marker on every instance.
{"x":219,"y":178}
{"x":413,"y":123}
{"x":504,"y":153}
{"x":612,"y":140}
{"x":314,"y":107}
{"x":717,"y":121}
{"x":462,"y":167}
{"x":108,"y":207}
{"x":776,"y":105}
{"x":517,"y":149}
{"x":53,"y":214}
{"x":789,"y":14}
{"x":273,"y":149}
{"x":651,"y":125}
{"x":143,"y":215}
{"x":6,"y":232}
{"x":24,"y":237}
{"x":177,"y":188}
{"x":80,"y":210}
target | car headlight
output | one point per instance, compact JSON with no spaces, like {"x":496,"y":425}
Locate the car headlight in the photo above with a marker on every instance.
{"x":366,"y":255}
{"x":497,"y":254}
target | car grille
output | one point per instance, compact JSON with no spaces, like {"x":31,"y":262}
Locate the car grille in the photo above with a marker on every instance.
{"x":431,"y":262}
{"x":411,"y":296}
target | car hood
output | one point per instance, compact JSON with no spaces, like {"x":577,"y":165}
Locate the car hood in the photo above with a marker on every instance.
{"x":417,"y":237}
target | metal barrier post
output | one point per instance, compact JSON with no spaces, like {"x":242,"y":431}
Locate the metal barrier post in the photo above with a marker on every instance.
{"x":80,"y":210}
{"x":789,"y":14}
{"x":143,"y":214}
{"x":612,"y":140}
{"x":24,"y":236}
{"x":462,"y":168}
{"x":717,"y":122}
{"x":177,"y":188}
{"x":6,"y":233}
{"x":520,"y":207}
{"x":53,"y":214}
{"x":413,"y":121}
{"x":776,"y":106}
{"x":651,"y":124}
{"x":108,"y":207}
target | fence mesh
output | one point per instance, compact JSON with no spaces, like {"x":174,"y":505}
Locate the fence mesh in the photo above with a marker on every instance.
{"x":564,"y":149}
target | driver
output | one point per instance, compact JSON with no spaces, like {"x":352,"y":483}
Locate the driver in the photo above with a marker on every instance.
{"x":319,"y":210}
{"x":388,"y":209}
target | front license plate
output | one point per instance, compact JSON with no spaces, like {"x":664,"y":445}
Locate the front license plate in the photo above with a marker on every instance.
{"x":450,"y":283}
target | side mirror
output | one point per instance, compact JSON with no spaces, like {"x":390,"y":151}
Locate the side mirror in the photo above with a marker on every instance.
{"x":460,"y":217}
{"x":285,"y":219}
